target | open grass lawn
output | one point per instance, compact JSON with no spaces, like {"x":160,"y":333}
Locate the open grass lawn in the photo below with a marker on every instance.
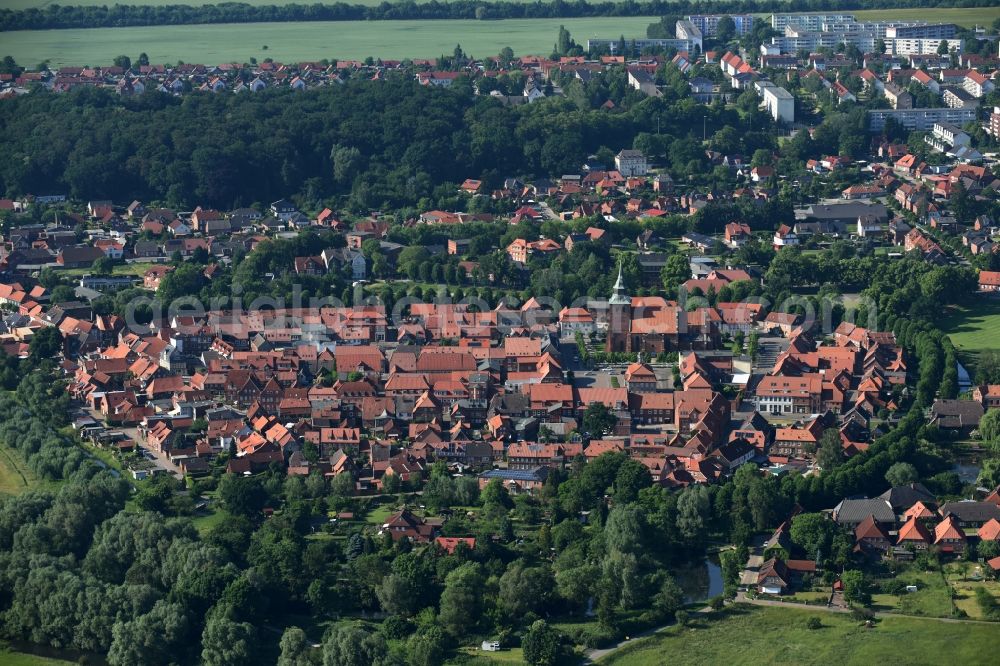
{"x":10,"y":657}
{"x":974,"y":329}
{"x":136,"y":269}
{"x":205,"y":522}
{"x":932,"y":598}
{"x":756,"y":635}
{"x":965,"y":590}
{"x":378,"y":515}
{"x":965,"y":596}
{"x":15,"y":476}
{"x":473,"y":655}
{"x":811,"y":597}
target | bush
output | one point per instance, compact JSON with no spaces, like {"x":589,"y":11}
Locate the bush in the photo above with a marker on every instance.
{"x":862,"y":614}
{"x":598,"y":637}
{"x":717,"y":603}
{"x":814,"y":623}
{"x":396,"y":627}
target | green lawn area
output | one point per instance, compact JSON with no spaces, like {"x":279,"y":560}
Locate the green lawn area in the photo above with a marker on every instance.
{"x":506,"y":656}
{"x":15,"y":476}
{"x":811,"y":597}
{"x":932,"y":598}
{"x":965,"y":598}
{"x":204,"y":523}
{"x":378,"y":515}
{"x":758,"y":635}
{"x":973,"y":329}
{"x":136,"y":269}
{"x":10,"y":657}
{"x":965,"y":590}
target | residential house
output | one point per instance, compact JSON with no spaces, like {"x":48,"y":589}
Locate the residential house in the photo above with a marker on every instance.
{"x":949,"y":537}
{"x":852,"y":512}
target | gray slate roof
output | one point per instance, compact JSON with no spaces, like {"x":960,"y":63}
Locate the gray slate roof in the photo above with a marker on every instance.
{"x":971,"y":512}
{"x":903,"y":497}
{"x":853,"y":511}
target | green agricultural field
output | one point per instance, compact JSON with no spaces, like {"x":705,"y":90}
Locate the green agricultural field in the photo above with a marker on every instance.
{"x":290,"y":42}
{"x":974,"y":329}
{"x":961,"y":16}
{"x":965,"y":16}
{"x":293,"y":42}
{"x":756,"y":635}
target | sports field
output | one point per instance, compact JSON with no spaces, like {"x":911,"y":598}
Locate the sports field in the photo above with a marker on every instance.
{"x":755,"y":635}
{"x":974,"y":329}
{"x":291,"y":42}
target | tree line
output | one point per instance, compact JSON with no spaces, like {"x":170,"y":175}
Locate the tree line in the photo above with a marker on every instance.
{"x":55,"y":16}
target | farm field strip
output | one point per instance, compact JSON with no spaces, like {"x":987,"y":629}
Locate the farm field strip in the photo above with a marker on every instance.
{"x":297,"y":41}
{"x":292,"y":42}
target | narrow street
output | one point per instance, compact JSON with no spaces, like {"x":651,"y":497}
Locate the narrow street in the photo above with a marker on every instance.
{"x":159,"y":460}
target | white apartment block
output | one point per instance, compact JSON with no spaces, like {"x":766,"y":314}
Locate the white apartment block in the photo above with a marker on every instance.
{"x":709,"y":23}
{"x":808,"y":21}
{"x":920,"y":119}
{"x":642,"y":44}
{"x":779,"y":103}
{"x":686,"y":30}
{"x":977,"y":84}
{"x":922,"y":31}
{"x":631,"y":163}
{"x":920,"y":46}
{"x":946,"y":136}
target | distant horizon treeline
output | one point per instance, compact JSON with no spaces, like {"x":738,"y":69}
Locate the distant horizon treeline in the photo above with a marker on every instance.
{"x":56,"y":16}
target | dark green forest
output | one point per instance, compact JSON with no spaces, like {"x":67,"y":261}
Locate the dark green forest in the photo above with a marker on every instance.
{"x":386,"y":144}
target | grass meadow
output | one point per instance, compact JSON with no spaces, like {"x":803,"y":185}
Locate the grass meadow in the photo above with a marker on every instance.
{"x":974,"y":329}
{"x":16,"y":477}
{"x":774,"y":635}
{"x":9,"y":656}
{"x":292,"y":42}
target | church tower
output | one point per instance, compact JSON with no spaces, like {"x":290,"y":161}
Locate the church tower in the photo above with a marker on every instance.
{"x":619,"y":317}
